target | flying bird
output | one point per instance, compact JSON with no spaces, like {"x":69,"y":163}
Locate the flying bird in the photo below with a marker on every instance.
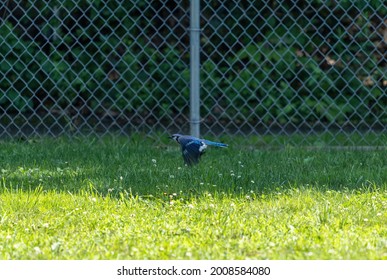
{"x":192,"y":148}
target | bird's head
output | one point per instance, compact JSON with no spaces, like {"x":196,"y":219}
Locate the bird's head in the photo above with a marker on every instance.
{"x":176,"y":137}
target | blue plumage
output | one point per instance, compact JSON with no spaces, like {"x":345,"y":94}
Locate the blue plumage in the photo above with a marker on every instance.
{"x":192,"y":148}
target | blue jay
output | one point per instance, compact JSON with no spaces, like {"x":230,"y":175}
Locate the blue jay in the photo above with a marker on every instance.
{"x":192,"y":147}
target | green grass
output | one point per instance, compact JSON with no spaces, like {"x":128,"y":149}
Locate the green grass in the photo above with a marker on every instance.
{"x":132,"y":199}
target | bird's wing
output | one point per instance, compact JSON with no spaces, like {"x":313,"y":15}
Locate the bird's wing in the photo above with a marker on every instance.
{"x":192,"y":149}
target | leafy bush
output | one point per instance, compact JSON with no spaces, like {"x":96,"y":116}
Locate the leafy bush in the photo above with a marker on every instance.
{"x":302,"y":62}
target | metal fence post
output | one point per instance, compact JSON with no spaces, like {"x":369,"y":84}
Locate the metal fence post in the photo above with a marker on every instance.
{"x":195,"y":68}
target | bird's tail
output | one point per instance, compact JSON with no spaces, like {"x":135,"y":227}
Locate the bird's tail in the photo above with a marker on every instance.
{"x":216,"y":144}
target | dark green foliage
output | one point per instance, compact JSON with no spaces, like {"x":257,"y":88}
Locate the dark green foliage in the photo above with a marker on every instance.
{"x":302,"y":62}
{"x":90,"y":54}
{"x":265,"y":61}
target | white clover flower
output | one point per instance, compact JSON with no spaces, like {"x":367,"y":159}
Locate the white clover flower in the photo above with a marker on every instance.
{"x":55,"y":246}
{"x":37,"y":250}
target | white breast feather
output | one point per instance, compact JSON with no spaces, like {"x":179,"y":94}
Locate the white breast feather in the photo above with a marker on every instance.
{"x":202,"y":147}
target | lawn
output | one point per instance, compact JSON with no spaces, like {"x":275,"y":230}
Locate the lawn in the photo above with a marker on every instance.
{"x":119,"y":198}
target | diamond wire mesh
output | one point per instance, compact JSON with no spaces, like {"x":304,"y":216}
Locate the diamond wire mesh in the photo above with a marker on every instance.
{"x":316,"y":69}
{"x":93,"y":67}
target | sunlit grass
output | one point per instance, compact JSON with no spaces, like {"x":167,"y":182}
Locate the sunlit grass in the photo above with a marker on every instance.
{"x":131,"y":199}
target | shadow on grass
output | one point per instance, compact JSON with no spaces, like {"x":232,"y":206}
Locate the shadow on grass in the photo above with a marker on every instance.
{"x":117,"y":167}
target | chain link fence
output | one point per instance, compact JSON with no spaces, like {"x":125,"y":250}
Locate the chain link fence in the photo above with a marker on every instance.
{"x":306,"y":72}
